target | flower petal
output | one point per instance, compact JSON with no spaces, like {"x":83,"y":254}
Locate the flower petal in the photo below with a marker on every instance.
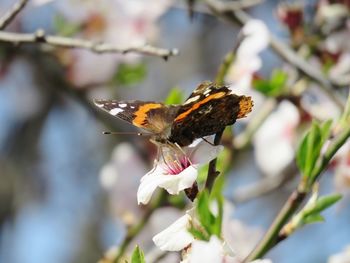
{"x":175,"y":237}
{"x":178,"y":182}
{"x":149,"y":183}
{"x":203,"y":152}
{"x":207,"y":252}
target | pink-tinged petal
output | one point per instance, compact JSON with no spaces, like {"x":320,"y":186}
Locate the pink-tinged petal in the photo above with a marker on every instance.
{"x":176,"y":237}
{"x":176,"y":183}
{"x":203,"y":152}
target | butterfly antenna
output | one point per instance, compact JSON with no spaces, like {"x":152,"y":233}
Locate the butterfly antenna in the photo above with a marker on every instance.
{"x":126,"y":133}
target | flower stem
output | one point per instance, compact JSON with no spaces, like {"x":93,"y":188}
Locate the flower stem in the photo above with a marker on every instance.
{"x":212,"y":173}
{"x":224,"y":67}
{"x":272,"y":236}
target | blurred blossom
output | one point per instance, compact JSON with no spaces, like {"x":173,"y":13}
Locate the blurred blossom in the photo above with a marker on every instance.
{"x":291,"y":15}
{"x":241,"y":237}
{"x":123,"y":23}
{"x":342,"y":257}
{"x":247,"y":61}
{"x":330,"y":13}
{"x":177,"y":169}
{"x":319,"y":105}
{"x":120,"y":177}
{"x":337,"y":42}
{"x":274,"y":140}
{"x":341,"y":70}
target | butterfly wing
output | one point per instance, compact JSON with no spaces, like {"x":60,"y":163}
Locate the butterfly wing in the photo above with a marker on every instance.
{"x":208,"y":110}
{"x":152,"y":116}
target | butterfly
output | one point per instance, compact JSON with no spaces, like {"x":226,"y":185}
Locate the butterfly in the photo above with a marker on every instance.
{"x":208,"y":110}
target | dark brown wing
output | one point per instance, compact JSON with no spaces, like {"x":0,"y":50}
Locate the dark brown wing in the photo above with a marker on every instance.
{"x":208,"y":110}
{"x":152,"y":116}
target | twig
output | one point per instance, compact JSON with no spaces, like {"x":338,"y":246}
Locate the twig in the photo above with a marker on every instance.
{"x":236,"y":5}
{"x":212,"y":173}
{"x":98,"y":47}
{"x":232,"y":5}
{"x":241,"y":17}
{"x":6,"y":19}
{"x":272,"y":236}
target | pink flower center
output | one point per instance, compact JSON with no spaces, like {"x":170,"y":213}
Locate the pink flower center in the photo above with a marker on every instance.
{"x":176,"y":166}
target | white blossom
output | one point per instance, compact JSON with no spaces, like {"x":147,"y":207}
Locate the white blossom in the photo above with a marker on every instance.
{"x":176,"y":170}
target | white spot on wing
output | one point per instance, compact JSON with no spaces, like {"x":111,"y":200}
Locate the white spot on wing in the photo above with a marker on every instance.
{"x":122,"y":105}
{"x":116,"y":111}
{"x":99,"y":104}
{"x":207,"y":91}
{"x":132,"y":107}
{"x":192,"y":99}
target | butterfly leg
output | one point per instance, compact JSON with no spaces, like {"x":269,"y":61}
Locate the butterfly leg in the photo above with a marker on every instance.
{"x":204,"y":139}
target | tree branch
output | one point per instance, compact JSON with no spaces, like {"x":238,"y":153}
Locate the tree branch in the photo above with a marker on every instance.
{"x":6,"y":19}
{"x":235,"y":5}
{"x":98,"y":47}
{"x":272,"y":236}
{"x":240,"y":17}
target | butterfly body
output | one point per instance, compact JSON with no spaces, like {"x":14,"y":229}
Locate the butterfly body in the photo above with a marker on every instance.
{"x":208,"y":110}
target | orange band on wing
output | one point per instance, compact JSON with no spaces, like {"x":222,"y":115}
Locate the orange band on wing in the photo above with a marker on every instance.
{"x":198,"y":104}
{"x":141,"y":113}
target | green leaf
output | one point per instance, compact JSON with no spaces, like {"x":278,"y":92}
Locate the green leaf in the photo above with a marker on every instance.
{"x":216,"y":196}
{"x":175,"y":96}
{"x":324,"y":202}
{"x":177,"y":201}
{"x":326,"y":130}
{"x":197,"y":234}
{"x":301,"y":154}
{"x":64,"y":27}
{"x":138,"y":256}
{"x":314,"y":218}
{"x":206,"y":218}
{"x":129,"y":74}
{"x":313,"y":148}
{"x":202,"y":173}
{"x":310,"y":147}
{"x":273,"y":86}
